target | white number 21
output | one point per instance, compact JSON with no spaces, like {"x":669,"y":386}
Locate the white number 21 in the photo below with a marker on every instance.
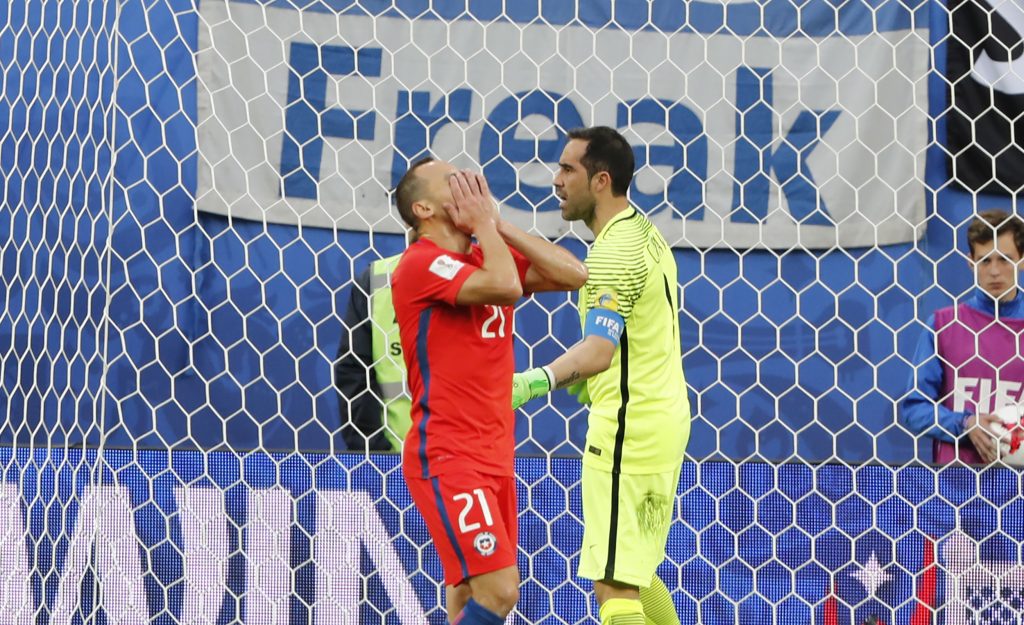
{"x":468,"y":505}
{"x":496,"y":314}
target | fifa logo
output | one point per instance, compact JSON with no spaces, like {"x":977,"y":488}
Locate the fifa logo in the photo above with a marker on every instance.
{"x":986,"y":395}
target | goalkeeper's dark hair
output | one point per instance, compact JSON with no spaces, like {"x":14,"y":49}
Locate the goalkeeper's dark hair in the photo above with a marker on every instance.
{"x":408,"y":190}
{"x":991,"y":224}
{"x":607,"y":150}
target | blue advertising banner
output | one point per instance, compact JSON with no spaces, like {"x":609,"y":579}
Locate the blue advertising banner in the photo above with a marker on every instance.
{"x":215,"y":538}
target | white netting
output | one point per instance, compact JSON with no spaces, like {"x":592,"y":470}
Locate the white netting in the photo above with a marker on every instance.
{"x":193,"y":188}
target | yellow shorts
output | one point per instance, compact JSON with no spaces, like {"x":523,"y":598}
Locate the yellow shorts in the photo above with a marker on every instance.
{"x":626,"y":519}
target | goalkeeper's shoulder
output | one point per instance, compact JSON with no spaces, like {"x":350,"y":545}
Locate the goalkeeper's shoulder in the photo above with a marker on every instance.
{"x":624,"y":273}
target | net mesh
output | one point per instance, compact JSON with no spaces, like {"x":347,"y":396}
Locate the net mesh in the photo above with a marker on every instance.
{"x":191,"y":190}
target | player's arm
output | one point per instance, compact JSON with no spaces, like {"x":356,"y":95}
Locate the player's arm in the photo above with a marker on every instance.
{"x":589,"y":357}
{"x":601,"y":333}
{"x":497,"y":281}
{"x":615,"y":280}
{"x":552,"y":267}
{"x":583,"y":360}
{"x":921,"y":411}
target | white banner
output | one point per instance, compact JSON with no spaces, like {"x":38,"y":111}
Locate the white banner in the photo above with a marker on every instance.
{"x":311,"y":116}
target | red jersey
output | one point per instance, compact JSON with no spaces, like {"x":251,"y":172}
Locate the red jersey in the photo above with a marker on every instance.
{"x":460,"y":365}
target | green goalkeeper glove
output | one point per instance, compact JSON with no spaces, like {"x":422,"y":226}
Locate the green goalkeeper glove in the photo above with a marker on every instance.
{"x":531,"y":384}
{"x":581,"y":392}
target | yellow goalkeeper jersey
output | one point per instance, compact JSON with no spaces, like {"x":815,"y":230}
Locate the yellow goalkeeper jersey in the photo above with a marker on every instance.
{"x":639,"y":415}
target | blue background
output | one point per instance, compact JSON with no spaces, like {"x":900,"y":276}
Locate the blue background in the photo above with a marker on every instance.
{"x":752,"y":543}
{"x":132,"y":320}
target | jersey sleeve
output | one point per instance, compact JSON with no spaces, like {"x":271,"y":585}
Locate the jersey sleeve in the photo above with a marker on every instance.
{"x":617,"y":278}
{"x":434,"y":275}
{"x":922,"y":411}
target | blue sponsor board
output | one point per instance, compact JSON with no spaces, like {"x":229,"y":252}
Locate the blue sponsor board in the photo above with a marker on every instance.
{"x":192,"y":537}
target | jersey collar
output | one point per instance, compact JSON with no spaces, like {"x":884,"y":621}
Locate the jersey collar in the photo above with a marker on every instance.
{"x":621,"y":215}
{"x":429,"y":243}
{"x":984,"y":302}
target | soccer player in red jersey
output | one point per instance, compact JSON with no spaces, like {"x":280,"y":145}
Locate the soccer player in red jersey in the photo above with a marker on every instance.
{"x":454,"y":301}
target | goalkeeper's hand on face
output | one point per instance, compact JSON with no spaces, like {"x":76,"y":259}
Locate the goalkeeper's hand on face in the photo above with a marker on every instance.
{"x":531,"y":384}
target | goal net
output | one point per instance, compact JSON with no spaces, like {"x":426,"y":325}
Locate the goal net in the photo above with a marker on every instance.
{"x":192,"y":189}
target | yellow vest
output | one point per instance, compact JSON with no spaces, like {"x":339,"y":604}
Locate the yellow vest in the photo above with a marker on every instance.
{"x":388,"y":362}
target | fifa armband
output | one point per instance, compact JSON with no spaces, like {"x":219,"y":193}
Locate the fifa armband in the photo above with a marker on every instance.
{"x":604,"y":323}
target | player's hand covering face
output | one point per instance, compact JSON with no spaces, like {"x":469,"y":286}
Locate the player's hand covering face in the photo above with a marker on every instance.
{"x":472,"y":205}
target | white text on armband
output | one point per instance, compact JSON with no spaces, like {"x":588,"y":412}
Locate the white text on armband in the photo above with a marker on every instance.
{"x":605,"y":324}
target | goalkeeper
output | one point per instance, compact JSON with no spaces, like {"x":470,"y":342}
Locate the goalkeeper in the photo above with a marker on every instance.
{"x":630,"y":365}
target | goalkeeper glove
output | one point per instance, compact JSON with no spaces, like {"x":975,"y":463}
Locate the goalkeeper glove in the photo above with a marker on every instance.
{"x":581,"y":392}
{"x":531,"y":384}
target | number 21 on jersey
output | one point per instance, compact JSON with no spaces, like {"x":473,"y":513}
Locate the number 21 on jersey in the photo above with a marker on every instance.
{"x":467,"y":501}
{"x":494,"y":325}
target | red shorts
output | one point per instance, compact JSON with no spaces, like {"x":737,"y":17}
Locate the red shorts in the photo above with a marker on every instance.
{"x":472,"y":518}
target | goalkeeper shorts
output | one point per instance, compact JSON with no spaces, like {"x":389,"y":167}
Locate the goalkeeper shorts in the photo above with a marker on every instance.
{"x":624,"y":536}
{"x":472,"y":519}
